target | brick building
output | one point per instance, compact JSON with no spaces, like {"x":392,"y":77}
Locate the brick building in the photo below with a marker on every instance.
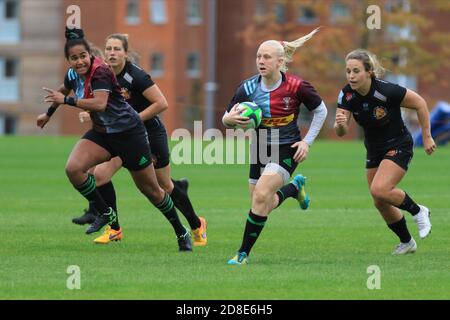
{"x":171,"y":38}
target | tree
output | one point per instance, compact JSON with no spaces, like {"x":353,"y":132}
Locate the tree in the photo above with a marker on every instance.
{"x":409,"y":41}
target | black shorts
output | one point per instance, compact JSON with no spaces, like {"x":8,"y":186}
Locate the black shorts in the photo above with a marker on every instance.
{"x":401,"y":155}
{"x":157,"y":135}
{"x":131,"y":146}
{"x":285,"y":160}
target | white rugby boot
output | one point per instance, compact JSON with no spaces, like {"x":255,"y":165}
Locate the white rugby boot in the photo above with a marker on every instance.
{"x":423,"y":221}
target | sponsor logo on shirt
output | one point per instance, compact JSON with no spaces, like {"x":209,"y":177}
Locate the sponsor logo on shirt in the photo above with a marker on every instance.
{"x":277,"y":122}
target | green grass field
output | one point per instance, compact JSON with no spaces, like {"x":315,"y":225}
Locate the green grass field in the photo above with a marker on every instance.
{"x":323,"y":253}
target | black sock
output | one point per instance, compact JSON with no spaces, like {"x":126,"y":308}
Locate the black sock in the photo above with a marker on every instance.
{"x":168,"y":210}
{"x":287,"y":191}
{"x":253,"y":228}
{"x":92,"y":208}
{"x":91,"y":193}
{"x":401,"y":230}
{"x":108,"y":193}
{"x":181,"y":201}
{"x":409,"y":205}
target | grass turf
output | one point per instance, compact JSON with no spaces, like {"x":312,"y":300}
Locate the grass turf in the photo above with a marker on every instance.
{"x":322,"y":253}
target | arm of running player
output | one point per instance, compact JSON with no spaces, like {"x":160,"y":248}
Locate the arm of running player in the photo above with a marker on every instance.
{"x":412,"y":100}
{"x":158,"y":100}
{"x":233,"y":117}
{"x":97,"y":103}
{"x":43,"y":118}
{"x":342,"y":121}
{"x":320,"y":114}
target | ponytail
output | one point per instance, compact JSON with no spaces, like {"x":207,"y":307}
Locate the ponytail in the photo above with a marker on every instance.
{"x":291,"y":47}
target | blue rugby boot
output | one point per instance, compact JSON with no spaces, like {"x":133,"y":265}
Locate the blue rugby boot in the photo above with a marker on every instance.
{"x":299,"y":182}
{"x":239,"y":259}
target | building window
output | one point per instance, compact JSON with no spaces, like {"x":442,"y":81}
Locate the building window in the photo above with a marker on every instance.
{"x":158,"y":12}
{"x":133,"y":12}
{"x":340,"y":12}
{"x":194,"y":12}
{"x":306,"y":15}
{"x":9,"y":21}
{"x":9,"y":80}
{"x":395,"y":6}
{"x":280,"y":13}
{"x":403,"y":80}
{"x":10,"y":68}
{"x":260,"y":9}
{"x":11,"y":9}
{"x":193,"y":65}
{"x":8,"y":124}
{"x":157,"y":65}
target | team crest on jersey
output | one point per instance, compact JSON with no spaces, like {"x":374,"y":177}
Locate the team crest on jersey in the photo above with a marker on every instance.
{"x":286,"y":102}
{"x":348,"y":96}
{"x":379,"y":112}
{"x":125,"y":93}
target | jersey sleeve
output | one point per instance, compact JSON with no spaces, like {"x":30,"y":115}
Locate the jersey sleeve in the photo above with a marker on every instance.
{"x":102,"y":79}
{"x":239,"y":96}
{"x":395,"y":93}
{"x":309,"y":96}
{"x":68,"y":80}
{"x":142,"y":82}
{"x":342,"y":101}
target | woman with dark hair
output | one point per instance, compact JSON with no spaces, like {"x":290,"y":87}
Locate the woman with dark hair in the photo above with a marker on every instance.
{"x":117,"y":131}
{"x":146,"y":98}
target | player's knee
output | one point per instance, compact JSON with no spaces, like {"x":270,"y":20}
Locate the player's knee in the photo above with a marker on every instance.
{"x":72,"y":169}
{"x":379,"y":192}
{"x":155,"y":195}
{"x":166,"y":185}
{"x":261,"y":196}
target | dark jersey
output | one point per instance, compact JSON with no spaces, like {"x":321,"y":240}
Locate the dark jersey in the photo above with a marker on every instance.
{"x":281,"y":106}
{"x":378,"y":113}
{"x":133,"y":82}
{"x":118,"y":116}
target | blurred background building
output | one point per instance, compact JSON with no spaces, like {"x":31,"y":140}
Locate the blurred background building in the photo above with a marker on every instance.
{"x":198,"y":51}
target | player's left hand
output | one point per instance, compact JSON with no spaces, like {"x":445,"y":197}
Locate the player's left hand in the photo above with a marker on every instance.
{"x":53,"y":96}
{"x":302,"y":151}
{"x":84,"y":116}
{"x":429,"y":145}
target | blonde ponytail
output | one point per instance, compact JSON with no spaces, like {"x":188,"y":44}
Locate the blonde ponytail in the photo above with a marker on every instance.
{"x":291,"y":47}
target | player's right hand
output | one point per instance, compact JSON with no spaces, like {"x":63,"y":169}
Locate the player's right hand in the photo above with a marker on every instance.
{"x":341,"y":118}
{"x":234,"y":117}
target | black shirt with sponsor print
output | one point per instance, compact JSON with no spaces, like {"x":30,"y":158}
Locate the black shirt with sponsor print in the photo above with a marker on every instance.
{"x":378,"y":113}
{"x":118,"y":116}
{"x":133,"y":82}
{"x":280,"y":107}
